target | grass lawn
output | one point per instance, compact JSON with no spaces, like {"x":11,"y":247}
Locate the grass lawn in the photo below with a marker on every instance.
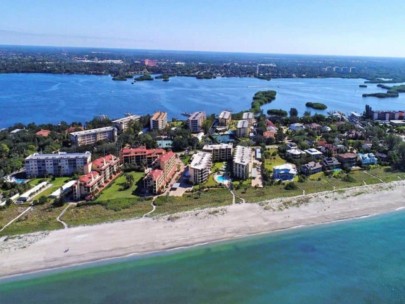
{"x":273,"y":161}
{"x":56,"y":184}
{"x":189,"y":201}
{"x":115,"y":190}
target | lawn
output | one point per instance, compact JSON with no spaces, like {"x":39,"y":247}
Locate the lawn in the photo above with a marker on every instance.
{"x":203,"y":199}
{"x":273,"y":161}
{"x":56,"y":184}
{"x":115,"y":191}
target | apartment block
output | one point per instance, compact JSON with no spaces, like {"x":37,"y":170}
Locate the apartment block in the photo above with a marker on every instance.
{"x":98,"y":175}
{"x":249,"y":116}
{"x":158,"y":121}
{"x":200,"y":167}
{"x":123,"y":123}
{"x":157,"y":179}
{"x":195,"y":121}
{"x":242,"y":128}
{"x":242,"y":162}
{"x":220,"y":152}
{"x":58,"y":164}
{"x":90,"y":137}
{"x":140,"y":157}
{"x":225,"y":118}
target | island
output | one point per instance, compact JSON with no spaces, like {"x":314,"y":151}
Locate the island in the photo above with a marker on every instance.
{"x":391,"y":91}
{"x":363,"y":86}
{"x":277,"y":112}
{"x":144,"y":77}
{"x":316,"y":105}
{"x":261,"y":98}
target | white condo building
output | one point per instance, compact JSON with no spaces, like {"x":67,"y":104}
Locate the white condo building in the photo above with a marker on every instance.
{"x":220,"y":152}
{"x":123,"y":123}
{"x":90,"y":137}
{"x":242,"y":128}
{"x":195,"y":121}
{"x":58,"y":164}
{"x":242,"y":162}
{"x":200,"y":167}
{"x":224,"y":118}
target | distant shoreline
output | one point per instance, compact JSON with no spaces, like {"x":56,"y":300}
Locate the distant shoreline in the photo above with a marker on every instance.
{"x":116,"y":240}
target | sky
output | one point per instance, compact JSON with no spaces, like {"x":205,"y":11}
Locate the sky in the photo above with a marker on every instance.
{"x":324,"y":27}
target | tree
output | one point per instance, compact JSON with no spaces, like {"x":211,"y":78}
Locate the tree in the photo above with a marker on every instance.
{"x":293,"y":112}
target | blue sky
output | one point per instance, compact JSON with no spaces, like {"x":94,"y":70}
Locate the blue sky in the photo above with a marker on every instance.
{"x":339,"y":27}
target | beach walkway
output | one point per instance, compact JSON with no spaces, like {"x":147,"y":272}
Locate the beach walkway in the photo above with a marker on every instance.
{"x":16,"y":218}
{"x":65,"y":226}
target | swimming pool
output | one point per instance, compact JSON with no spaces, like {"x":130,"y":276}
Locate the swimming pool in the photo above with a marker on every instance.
{"x":222,"y":179}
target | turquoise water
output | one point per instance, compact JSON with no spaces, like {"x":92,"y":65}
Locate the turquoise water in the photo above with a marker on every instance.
{"x":222,"y":179}
{"x":52,"y":98}
{"x":360,"y":261}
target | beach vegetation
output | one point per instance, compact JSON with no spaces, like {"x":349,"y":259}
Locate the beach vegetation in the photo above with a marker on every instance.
{"x":316,"y":105}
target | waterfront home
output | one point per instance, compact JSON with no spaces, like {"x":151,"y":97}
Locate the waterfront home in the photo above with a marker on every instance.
{"x":296,"y":127}
{"x":367,"y":159}
{"x":348,"y":160}
{"x":330,"y":164}
{"x":311,"y":168}
{"x":284,"y":172}
{"x":314,"y":126}
{"x":314,"y":153}
{"x":200,"y":167}
{"x":269,"y":134}
{"x":242,"y":162}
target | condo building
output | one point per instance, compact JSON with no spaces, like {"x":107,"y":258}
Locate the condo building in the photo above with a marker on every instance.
{"x":195,"y":121}
{"x":157,"y":179}
{"x":98,"y":175}
{"x":200,"y":167}
{"x":90,"y":137}
{"x":123,"y":123}
{"x":219,"y":152}
{"x":158,"y":121}
{"x":249,"y":116}
{"x":225,"y":118}
{"x":242,"y":128}
{"x":58,"y":164}
{"x":242,"y":162}
{"x":140,"y":156}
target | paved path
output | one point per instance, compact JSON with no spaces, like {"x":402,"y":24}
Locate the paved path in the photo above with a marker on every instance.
{"x":153,"y":208}
{"x":13,"y":220}
{"x":365,"y":172}
{"x":62,"y":213}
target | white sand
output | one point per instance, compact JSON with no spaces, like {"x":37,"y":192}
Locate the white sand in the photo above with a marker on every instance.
{"x":140,"y":236}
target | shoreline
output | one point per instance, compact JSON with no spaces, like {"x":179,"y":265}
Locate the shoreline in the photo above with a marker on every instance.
{"x":148,"y":236}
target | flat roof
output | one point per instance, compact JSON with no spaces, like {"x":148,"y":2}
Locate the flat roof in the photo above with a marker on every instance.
{"x":243,"y":124}
{"x":196,"y":115}
{"x":242,"y":155}
{"x":127,"y":118}
{"x":201,"y":160}
{"x":91,"y":131}
{"x":225,"y":115}
{"x":59,"y":155}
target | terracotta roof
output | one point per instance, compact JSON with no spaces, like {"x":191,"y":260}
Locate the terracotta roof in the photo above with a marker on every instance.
{"x":103,"y":162}
{"x":44,"y":133}
{"x":269,"y":123}
{"x":155,"y":174}
{"x":269,"y":134}
{"x":90,"y":178}
{"x":165,"y":157}
{"x":347,"y":155}
{"x":142,"y":151}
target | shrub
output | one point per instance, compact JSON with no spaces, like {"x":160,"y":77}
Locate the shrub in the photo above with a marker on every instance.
{"x":291,"y":186}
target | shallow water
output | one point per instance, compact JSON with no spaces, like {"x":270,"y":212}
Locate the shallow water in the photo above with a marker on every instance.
{"x":361,"y":261}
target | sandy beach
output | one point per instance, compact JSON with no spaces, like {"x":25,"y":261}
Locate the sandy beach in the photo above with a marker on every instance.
{"x":45,"y":250}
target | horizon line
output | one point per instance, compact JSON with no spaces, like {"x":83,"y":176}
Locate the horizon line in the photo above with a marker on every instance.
{"x":199,"y":51}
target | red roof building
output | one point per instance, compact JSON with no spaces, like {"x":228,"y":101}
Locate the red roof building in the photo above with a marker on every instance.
{"x":140,"y":156}
{"x":156,"y":180}
{"x":43,"y":133}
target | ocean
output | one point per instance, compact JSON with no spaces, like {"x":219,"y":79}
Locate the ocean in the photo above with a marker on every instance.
{"x":50,"y":98}
{"x":358,"y":261}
